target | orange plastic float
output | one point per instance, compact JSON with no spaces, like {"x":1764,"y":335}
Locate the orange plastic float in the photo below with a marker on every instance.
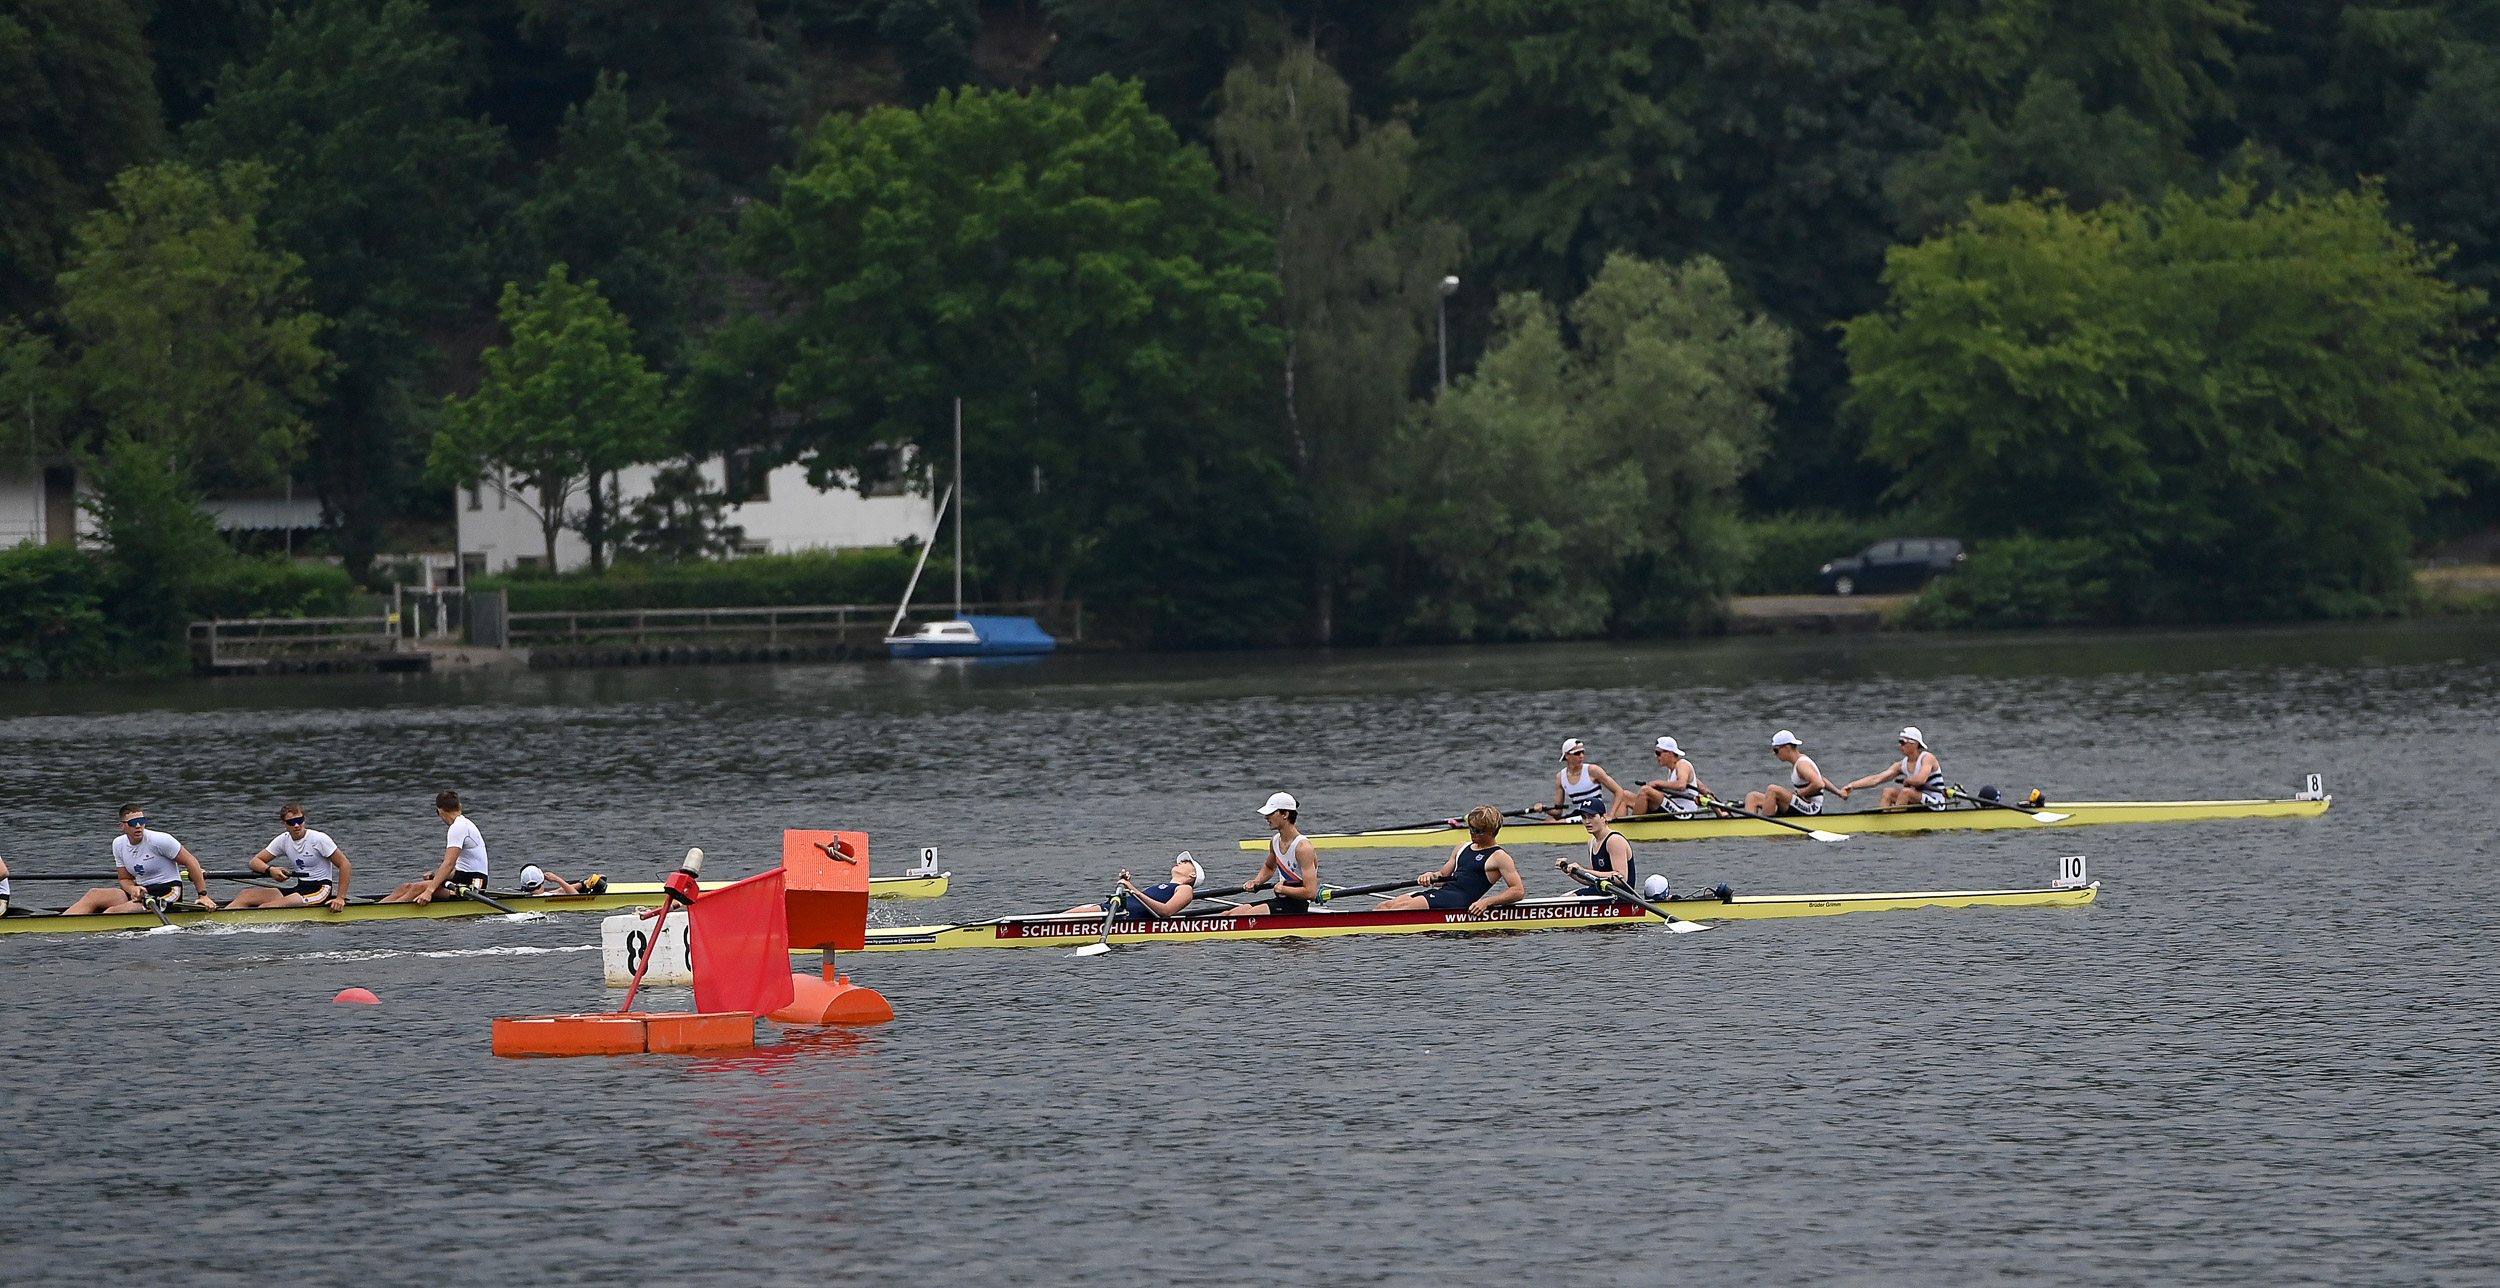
{"x":827,"y":897}
{"x":625,"y":1033}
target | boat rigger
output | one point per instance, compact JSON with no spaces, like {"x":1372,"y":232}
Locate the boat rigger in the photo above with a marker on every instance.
{"x":619,"y":894}
{"x":1954,"y":817}
{"x":1568,"y":913}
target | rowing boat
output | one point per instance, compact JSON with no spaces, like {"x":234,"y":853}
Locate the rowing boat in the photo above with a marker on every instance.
{"x":1567,"y":913}
{"x":1956,"y":817}
{"x":619,"y":894}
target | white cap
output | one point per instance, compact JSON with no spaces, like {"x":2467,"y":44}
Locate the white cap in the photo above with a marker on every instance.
{"x":1281,"y":800}
{"x":1194,"y":865}
{"x":1785,"y":739}
{"x":1655,"y":886}
{"x":1668,"y":744}
{"x":1571,"y":745}
{"x":530,"y":875}
{"x":1911,"y":732}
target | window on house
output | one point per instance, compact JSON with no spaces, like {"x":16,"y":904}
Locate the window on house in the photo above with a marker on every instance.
{"x":755,"y":547}
{"x":476,"y":501}
{"x":744,"y":478}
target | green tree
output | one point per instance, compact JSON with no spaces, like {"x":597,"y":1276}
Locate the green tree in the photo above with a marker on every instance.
{"x":2243,"y":401}
{"x":682,"y":519}
{"x":726,"y":69}
{"x":1583,"y":478}
{"x":1062,"y":262}
{"x":77,"y":105}
{"x":567,"y":401}
{"x":2048,"y":142}
{"x":386,"y":188}
{"x":1358,"y":269}
{"x":612,"y":206}
{"x":186,"y":332}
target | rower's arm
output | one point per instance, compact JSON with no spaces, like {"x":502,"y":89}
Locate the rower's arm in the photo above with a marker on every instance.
{"x":1612,"y":787}
{"x":451,"y":861}
{"x":1308,"y":855}
{"x":191,"y":863}
{"x":347,"y":873}
{"x":1885,"y":775}
{"x":1442,"y":873}
{"x":261,"y":862}
{"x":1513,"y":889}
{"x":1171,"y":907}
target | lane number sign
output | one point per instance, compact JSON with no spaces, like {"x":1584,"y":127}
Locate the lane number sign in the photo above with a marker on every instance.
{"x":2070,"y":874}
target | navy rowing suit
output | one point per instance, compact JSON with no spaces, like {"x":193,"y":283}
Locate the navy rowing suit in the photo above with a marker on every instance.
{"x":1467,"y":884}
{"x":1602,"y":861}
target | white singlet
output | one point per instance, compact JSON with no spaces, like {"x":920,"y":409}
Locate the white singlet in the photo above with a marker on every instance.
{"x":310,"y":857}
{"x":1801,"y":801}
{"x":1586,"y":795}
{"x":463,"y":836}
{"x":1930,"y":792}
{"x":1684,"y":806}
{"x":1283,"y":854}
{"x":153,"y":861}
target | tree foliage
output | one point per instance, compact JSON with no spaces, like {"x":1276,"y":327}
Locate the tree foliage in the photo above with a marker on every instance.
{"x":565,"y":402}
{"x":77,"y":105}
{"x":1583,"y":478}
{"x":2242,"y":400}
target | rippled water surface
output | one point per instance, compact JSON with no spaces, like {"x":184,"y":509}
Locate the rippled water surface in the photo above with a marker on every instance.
{"x":2266,"y":1056}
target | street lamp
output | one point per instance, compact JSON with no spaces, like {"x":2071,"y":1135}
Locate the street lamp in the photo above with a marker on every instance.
{"x":1448,"y":286}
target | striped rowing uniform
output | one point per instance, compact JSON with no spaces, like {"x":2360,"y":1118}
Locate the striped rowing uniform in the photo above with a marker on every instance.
{"x":1931,"y":788}
{"x":1288,"y":873}
{"x":1602,"y":860}
{"x":310,"y":872}
{"x":154,"y":863}
{"x":1467,"y":882}
{"x":1805,"y":801}
{"x":1684,"y":806}
{"x":1135,"y":909}
{"x":4,"y":896}
{"x":1586,"y":796}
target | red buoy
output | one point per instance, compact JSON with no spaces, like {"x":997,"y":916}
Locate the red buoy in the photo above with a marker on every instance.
{"x":360,"y":996}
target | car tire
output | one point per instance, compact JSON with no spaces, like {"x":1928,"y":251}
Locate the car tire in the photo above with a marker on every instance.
{"x":1844,"y":586}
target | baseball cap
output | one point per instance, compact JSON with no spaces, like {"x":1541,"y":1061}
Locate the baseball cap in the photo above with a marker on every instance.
{"x":1281,"y":800}
{"x":532,"y":876}
{"x":1194,"y":865}
{"x":1571,"y":745}
{"x":1911,"y":732}
{"x":1668,"y":744}
{"x":1785,"y":739}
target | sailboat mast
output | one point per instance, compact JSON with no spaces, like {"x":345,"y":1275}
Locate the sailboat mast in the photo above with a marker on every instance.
{"x":959,"y":510}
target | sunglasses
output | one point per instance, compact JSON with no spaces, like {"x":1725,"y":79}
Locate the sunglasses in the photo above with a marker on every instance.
{"x":136,"y":820}
{"x":292,"y":822}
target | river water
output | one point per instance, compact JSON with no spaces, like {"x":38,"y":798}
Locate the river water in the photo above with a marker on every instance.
{"x":2266,"y":1056}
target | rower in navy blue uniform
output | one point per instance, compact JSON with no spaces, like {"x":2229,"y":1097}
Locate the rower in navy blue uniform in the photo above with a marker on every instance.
{"x":1162,"y":899}
{"x":1465,"y":882}
{"x":1609,"y":855}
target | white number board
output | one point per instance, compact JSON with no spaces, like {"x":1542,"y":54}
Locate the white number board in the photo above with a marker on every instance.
{"x":2070,"y":873}
{"x":621,"y":943}
{"x":928,"y":860}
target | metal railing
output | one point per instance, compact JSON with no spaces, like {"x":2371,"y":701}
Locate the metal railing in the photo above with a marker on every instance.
{"x":793,"y":624}
{"x":258,"y":641}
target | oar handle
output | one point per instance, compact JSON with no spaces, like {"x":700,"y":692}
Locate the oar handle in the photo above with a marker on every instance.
{"x":1330,"y":892}
{"x":115,"y":876}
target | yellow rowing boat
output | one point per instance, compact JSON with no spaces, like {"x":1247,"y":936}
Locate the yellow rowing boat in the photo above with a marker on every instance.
{"x":619,"y":894}
{"x":1568,"y":913}
{"x":1949,"y":818}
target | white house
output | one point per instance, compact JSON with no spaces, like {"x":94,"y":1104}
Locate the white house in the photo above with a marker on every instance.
{"x":499,"y":528}
{"x":39,"y":503}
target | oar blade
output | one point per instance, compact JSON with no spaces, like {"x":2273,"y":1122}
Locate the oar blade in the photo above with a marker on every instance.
{"x":1685,"y":927}
{"x":1091,"y":950}
{"x":1828,"y":836}
{"x":2045,"y":816}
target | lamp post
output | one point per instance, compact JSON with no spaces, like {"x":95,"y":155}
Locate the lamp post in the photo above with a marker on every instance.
{"x":1448,"y":285}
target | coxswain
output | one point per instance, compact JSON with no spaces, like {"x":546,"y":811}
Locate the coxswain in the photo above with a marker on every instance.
{"x":1291,"y":860}
{"x":464,"y":856}
{"x":1162,"y":899}
{"x":538,"y":880}
{"x":149,"y":865}
{"x":1677,"y":790}
{"x":1803,"y":793}
{"x":1464,"y":882}
{"x":1609,"y":855}
{"x":312,"y":866}
{"x":1579,"y":787}
{"x":1915,"y":779}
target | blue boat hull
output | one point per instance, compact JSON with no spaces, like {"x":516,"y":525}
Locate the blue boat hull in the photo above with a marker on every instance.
{"x":998,"y":637}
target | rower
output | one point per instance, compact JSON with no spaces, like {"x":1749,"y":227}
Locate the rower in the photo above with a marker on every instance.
{"x":4,"y":887}
{"x":1609,"y":855}
{"x":1291,"y":859}
{"x":1162,"y":899}
{"x":1677,"y":791}
{"x":312,"y":865}
{"x":1464,"y":883}
{"x":1804,"y":792}
{"x":150,"y":866}
{"x":1579,"y":787}
{"x":464,"y":856}
{"x":538,"y":880}
{"x":1917,"y":778}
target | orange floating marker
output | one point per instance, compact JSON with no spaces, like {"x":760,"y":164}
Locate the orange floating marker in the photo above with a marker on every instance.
{"x":826,"y":875}
{"x":832,"y":999}
{"x":624,"y":1033}
{"x":360,"y":996}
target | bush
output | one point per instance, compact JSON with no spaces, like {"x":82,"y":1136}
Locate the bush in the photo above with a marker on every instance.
{"x":874,"y":576}
{"x":51,"y":613}
{"x":2025,"y":581}
{"x":273,"y":586}
{"x":1785,"y":551}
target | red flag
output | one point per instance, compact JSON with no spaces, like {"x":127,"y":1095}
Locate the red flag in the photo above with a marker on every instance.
{"x":742,"y":947}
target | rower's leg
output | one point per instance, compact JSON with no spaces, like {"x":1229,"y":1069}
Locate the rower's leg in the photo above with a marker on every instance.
{"x":257,"y":897}
{"x":1780,"y":799}
{"x":1760,"y":803}
{"x":1400,"y":903}
{"x":95,"y":901}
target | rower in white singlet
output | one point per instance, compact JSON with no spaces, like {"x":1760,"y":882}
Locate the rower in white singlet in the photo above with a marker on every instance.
{"x":1676,"y":791}
{"x":312,"y":865}
{"x":1291,"y":860}
{"x":1580,"y":788}
{"x":1806,"y":784}
{"x":1915,"y":779}
{"x":464,"y":856}
{"x":150,"y":865}
{"x":4,"y":887}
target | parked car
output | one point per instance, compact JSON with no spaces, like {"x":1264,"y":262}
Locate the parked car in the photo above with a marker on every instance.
{"x":1902,"y":563}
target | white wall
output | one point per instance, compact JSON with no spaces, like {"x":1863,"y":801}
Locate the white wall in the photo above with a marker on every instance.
{"x":22,"y":507}
{"x":502,"y":527}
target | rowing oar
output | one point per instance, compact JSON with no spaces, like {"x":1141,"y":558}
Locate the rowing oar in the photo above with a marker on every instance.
{"x":1605,"y":880}
{"x":1817,"y":833}
{"x":473,"y":892}
{"x":1211,"y":895}
{"x":1454,"y":822}
{"x":108,"y":876}
{"x":1955,"y":792}
{"x":1327,"y":893}
{"x":1110,"y":912}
